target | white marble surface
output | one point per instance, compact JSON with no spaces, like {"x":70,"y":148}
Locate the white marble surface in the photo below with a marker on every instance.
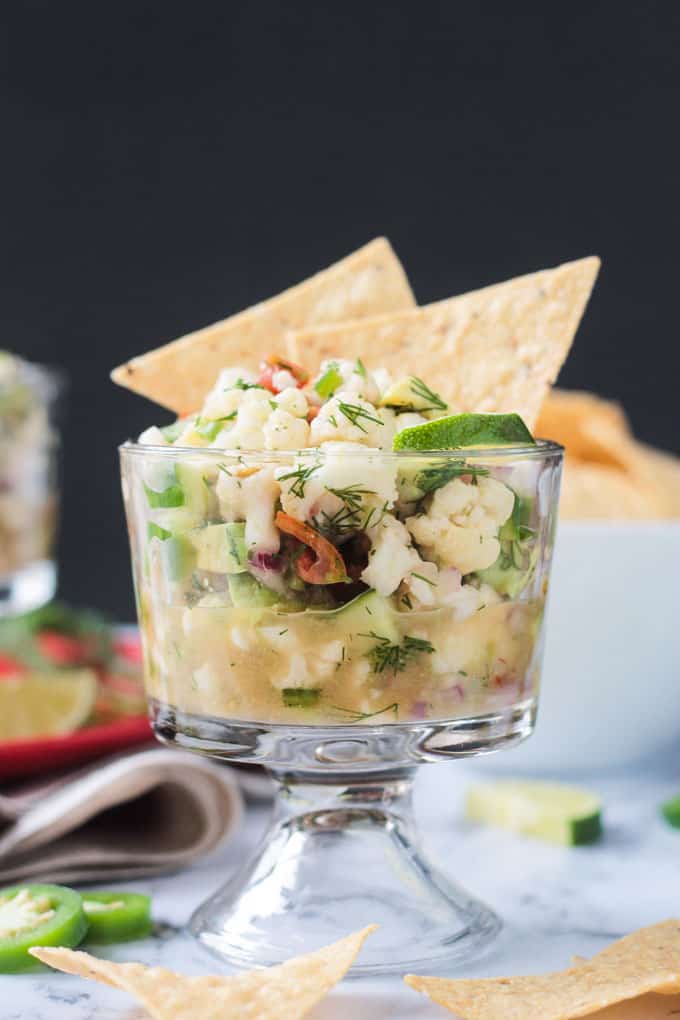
{"x":554,"y":901}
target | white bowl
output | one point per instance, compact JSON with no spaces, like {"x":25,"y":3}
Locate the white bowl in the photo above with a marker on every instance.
{"x":610,"y":692}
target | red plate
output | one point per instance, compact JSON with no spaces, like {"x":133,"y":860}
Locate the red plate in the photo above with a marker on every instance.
{"x":20,"y":758}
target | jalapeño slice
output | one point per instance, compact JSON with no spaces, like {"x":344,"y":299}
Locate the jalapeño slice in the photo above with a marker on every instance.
{"x":37,"y":915}
{"x":117,"y":916}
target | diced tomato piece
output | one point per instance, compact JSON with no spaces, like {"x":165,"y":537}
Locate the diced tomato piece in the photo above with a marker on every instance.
{"x":275,"y":364}
{"x":320,"y":563}
{"x":129,"y":649}
{"x":60,"y":648}
{"x":10,"y":666}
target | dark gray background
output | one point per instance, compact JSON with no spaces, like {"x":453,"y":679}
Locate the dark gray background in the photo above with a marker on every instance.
{"x":165,"y":164}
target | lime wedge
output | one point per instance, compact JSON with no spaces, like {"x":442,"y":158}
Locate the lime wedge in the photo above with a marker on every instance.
{"x":550,"y":811}
{"x":670,"y":809}
{"x":463,"y":430}
{"x":46,"y":704}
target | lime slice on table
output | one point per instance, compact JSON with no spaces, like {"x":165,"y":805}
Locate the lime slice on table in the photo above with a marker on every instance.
{"x":45,"y":704}
{"x":550,"y":811}
{"x":117,"y":917}
{"x":462,"y":430}
{"x":37,"y":915}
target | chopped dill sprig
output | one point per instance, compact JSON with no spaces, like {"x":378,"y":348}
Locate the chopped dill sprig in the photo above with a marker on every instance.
{"x":355,"y":414}
{"x":386,"y":656}
{"x":301,"y":476}
{"x":423,"y":392}
{"x":421,"y":577}
{"x":352,"y":495}
{"x":360,"y":369}
{"x":351,"y":715}
{"x":241,"y":384}
{"x":443,"y":471}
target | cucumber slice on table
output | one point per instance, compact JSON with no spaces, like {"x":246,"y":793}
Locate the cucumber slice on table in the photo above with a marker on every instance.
{"x":117,"y":917}
{"x":37,"y":915}
{"x":457,"y":431}
{"x":550,"y":811}
{"x":670,"y":810}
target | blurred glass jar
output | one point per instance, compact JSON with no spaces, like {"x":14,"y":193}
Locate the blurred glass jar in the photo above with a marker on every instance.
{"x":28,"y":483}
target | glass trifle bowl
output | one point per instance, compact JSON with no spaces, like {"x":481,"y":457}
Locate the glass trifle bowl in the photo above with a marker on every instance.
{"x":28,"y":483}
{"x":340,"y":667}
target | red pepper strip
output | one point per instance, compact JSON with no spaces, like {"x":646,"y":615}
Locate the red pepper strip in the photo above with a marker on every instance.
{"x":275,"y":364}
{"x":320,"y":563}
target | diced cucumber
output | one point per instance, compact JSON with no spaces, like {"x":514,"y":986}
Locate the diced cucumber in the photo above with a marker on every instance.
{"x":221,"y":548}
{"x":172,"y":496}
{"x":156,"y":531}
{"x":411,"y":394}
{"x":178,"y":557}
{"x":176,"y":520}
{"x":300,"y":697}
{"x":247,"y":592}
{"x":366,"y":615}
{"x":192,"y":481}
{"x":329,"y":382}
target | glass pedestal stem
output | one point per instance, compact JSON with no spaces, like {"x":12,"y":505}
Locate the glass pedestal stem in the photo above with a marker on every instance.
{"x":342,"y":852}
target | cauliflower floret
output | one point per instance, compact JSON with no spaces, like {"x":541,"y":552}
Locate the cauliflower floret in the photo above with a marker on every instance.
{"x":369,"y":482}
{"x":297,"y":674}
{"x":251,"y":496}
{"x":246,"y":431}
{"x":395,"y":423}
{"x":423,"y":585}
{"x":460,"y":529}
{"x":283,"y":379}
{"x":350,"y":418}
{"x":152,"y":437}
{"x":292,"y":400}
{"x":329,"y":658}
{"x":355,"y":379}
{"x":391,"y":557}
{"x":225,"y":396}
{"x":282,"y":431}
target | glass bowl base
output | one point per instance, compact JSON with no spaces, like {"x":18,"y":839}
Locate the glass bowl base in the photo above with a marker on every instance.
{"x":27,"y":588}
{"x":337,"y":858}
{"x":343,"y":851}
{"x":342,"y":749}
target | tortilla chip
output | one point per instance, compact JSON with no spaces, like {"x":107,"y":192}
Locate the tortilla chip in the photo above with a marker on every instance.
{"x":601,"y":492}
{"x":646,"y":1007}
{"x":289,"y":990}
{"x":179,"y":374}
{"x":589,"y":427}
{"x":496,"y":349}
{"x":664,"y":468}
{"x":647,"y":961}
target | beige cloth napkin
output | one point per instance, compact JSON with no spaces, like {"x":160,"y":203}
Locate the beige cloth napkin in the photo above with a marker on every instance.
{"x":139,"y":814}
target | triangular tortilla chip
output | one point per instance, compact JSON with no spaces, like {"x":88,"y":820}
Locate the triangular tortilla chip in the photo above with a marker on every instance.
{"x":590,"y":427}
{"x":647,"y":961}
{"x":179,"y":374}
{"x":289,"y":990}
{"x":496,"y":349}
